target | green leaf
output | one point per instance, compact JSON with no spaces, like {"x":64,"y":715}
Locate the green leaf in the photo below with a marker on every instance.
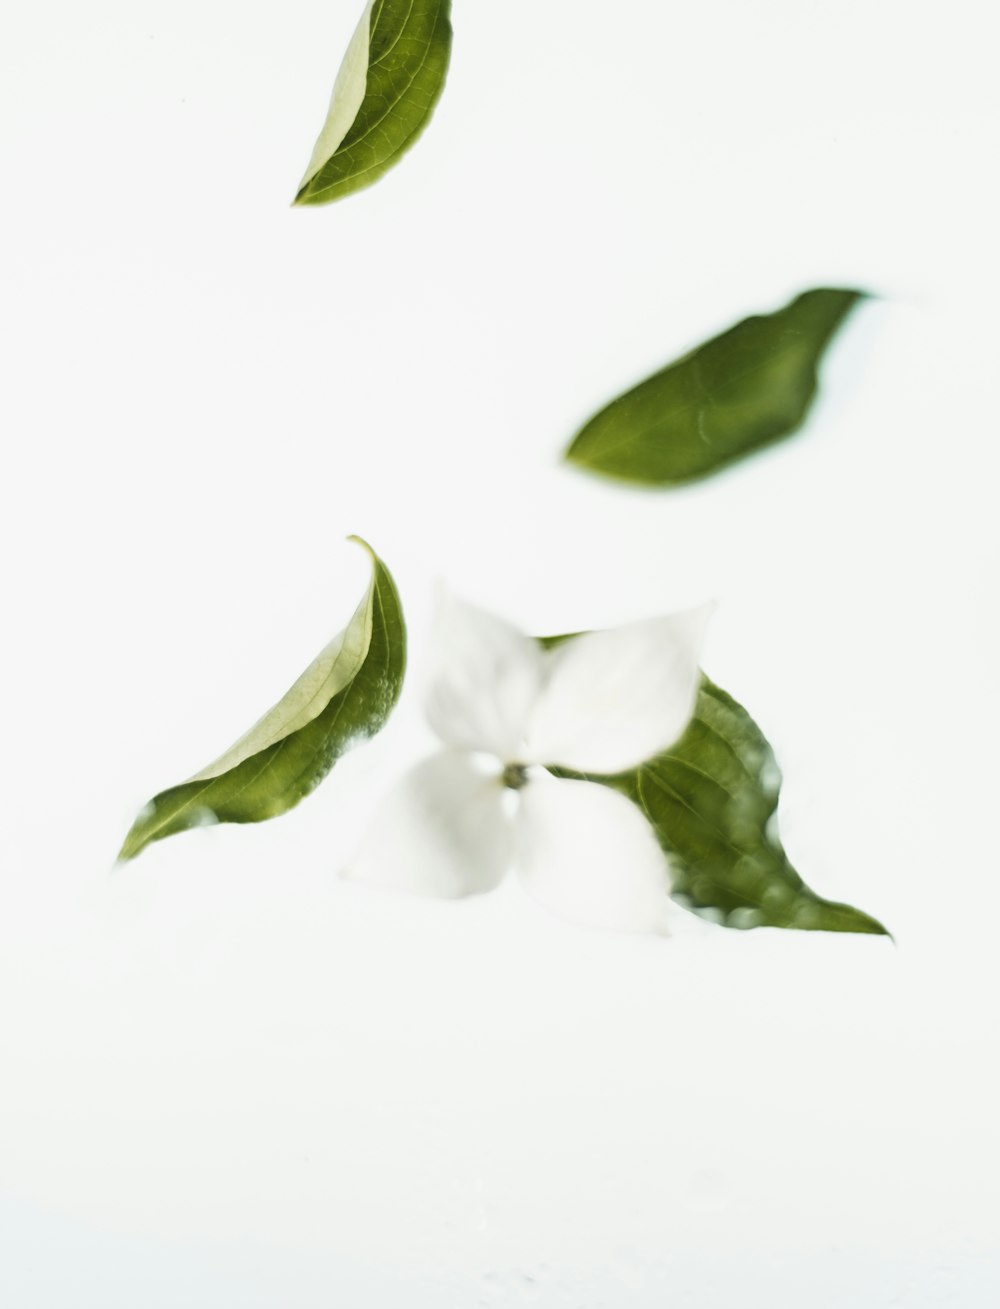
{"x":712,"y":800}
{"x":743,"y":390}
{"x":345,"y":695}
{"x":386,"y":89}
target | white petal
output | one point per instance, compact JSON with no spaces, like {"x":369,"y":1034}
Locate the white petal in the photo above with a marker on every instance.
{"x":587,"y":853}
{"x":485,"y":680}
{"x":442,"y":830}
{"x":614,"y":699}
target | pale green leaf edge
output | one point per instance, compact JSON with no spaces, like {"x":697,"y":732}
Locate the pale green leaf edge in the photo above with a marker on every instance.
{"x":329,"y":675}
{"x":331,"y":173}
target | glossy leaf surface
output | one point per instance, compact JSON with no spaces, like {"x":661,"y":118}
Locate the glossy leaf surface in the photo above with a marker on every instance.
{"x":737,"y":393}
{"x":387,"y":86}
{"x":712,"y":799}
{"x":343,"y":697}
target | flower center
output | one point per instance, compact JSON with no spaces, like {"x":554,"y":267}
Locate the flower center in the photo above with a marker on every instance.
{"x":514,"y":776}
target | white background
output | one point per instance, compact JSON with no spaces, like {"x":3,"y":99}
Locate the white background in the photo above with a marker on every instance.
{"x":229,"y":1081}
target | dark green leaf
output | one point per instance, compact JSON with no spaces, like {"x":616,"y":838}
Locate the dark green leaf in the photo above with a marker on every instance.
{"x":343,"y":697}
{"x":740,"y":391}
{"x":386,"y":89}
{"x":712,"y":799}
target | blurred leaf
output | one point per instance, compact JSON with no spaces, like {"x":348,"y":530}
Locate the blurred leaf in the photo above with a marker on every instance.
{"x":343,"y":697}
{"x":712,"y":799}
{"x":740,"y":391}
{"x":385,"y":91}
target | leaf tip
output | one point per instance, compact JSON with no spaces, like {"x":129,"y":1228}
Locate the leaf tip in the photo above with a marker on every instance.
{"x":360,"y":540}
{"x":138,"y":835}
{"x":575,"y":454}
{"x":130,"y":848}
{"x":859,"y":295}
{"x":865,"y":925}
{"x":855,"y":292}
{"x":570,"y":454}
{"x":847,"y":297}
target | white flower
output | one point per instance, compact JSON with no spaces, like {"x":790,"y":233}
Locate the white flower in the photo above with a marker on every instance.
{"x":503,"y":708}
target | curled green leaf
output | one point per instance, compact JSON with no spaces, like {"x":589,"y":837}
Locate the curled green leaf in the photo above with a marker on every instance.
{"x":386,"y":89}
{"x":737,"y":393}
{"x":345,"y":696}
